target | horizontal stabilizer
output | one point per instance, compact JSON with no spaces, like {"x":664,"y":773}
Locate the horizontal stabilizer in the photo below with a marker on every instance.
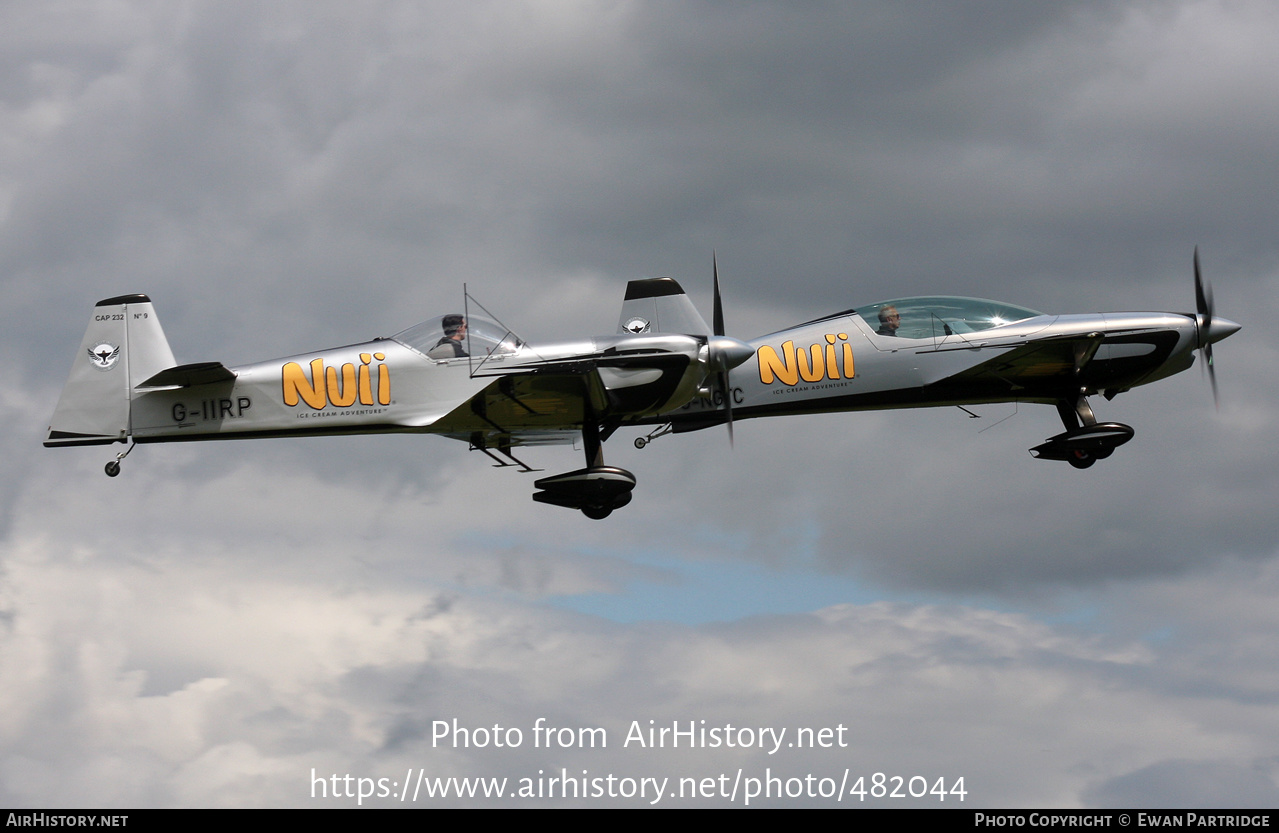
{"x":189,"y":376}
{"x":57,"y":438}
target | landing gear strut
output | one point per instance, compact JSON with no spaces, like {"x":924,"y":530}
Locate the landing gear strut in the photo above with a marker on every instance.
{"x":596,"y":490}
{"x":640,"y":442}
{"x":1085,"y":440}
{"x":113,"y":468}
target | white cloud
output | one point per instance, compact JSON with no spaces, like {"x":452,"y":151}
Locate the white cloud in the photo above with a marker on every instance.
{"x":204,"y":684}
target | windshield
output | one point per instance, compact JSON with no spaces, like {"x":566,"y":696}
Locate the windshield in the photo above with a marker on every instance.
{"x":939,"y":316}
{"x":455,"y":336}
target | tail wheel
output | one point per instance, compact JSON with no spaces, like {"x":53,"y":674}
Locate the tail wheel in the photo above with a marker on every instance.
{"x":113,"y":468}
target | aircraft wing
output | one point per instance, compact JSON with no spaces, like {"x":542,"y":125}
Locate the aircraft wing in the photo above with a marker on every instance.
{"x":1041,"y":359}
{"x":527,"y":403}
{"x":1048,"y":362}
{"x":533,"y":403}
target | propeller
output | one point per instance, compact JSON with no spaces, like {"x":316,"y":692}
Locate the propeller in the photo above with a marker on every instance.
{"x":1203,"y":323}
{"x":725,"y":351}
{"x":1208,"y":328}
{"x":719,"y":304}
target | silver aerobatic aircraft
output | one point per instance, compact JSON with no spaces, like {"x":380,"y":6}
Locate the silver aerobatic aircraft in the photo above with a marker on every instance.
{"x":466,"y":376}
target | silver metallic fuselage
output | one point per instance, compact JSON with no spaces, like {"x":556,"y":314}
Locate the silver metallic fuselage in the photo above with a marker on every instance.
{"x":843,"y":364}
{"x":384,"y":386}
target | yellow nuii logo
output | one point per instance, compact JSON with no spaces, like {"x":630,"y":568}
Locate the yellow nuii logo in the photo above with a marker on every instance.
{"x":812,"y":365}
{"x":325,"y":388}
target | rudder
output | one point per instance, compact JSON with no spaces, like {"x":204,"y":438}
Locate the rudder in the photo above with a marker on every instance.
{"x":659,"y":305}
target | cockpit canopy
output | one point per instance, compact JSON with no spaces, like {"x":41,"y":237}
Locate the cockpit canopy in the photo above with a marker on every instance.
{"x":938,"y":316}
{"x":456,"y":335}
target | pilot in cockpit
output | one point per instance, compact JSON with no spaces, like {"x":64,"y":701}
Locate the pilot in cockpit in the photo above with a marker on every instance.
{"x":453,"y":344}
{"x":890,"y":321}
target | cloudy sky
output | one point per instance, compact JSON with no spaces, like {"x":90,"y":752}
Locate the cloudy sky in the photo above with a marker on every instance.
{"x":222,"y":621}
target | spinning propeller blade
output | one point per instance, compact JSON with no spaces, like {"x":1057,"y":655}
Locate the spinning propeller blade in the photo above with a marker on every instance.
{"x":1209,"y":328}
{"x":719,"y":331}
{"x":719,"y":305}
{"x":726,"y":352}
{"x":1204,"y":307}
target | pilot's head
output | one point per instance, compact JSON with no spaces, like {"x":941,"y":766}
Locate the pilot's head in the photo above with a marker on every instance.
{"x":889,"y":319}
{"x":454,"y":323}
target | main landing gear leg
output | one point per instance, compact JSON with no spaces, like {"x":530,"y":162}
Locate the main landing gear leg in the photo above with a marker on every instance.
{"x":1077,"y":414}
{"x":597,"y":489}
{"x":1074,"y":417}
{"x":591,"y":441}
{"x":1085,"y":440}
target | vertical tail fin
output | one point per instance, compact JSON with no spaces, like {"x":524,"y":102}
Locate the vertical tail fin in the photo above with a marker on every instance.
{"x":123,"y":346}
{"x":659,"y":305}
